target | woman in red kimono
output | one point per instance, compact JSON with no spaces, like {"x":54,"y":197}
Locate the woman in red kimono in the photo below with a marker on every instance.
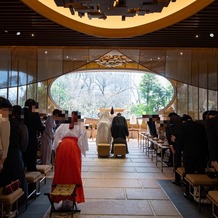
{"x":70,"y":140}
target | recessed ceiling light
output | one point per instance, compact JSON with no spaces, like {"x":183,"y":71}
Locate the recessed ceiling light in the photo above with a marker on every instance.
{"x":181,"y":53}
{"x":211,"y":35}
{"x":46,"y":52}
{"x":5,"y":31}
{"x":32,"y":34}
{"x":196,"y":36}
{"x":18,"y":33}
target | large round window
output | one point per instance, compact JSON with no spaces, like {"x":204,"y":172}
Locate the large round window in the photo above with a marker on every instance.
{"x":137,"y":92}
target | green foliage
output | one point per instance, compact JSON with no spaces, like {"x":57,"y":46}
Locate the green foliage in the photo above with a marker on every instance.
{"x":154,"y":95}
{"x":87,"y":92}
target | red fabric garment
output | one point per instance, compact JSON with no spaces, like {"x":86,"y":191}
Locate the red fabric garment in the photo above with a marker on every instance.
{"x":68,"y":164}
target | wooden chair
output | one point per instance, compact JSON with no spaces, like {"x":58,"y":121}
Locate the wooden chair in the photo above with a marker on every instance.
{"x":10,"y":199}
{"x":43,"y":169}
{"x":103,"y":150}
{"x":199,"y":181}
{"x":120,"y":150}
{"x":213,"y":197}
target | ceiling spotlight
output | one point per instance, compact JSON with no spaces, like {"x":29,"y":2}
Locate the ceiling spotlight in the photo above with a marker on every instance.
{"x":18,"y":33}
{"x":5,"y":31}
{"x":32,"y":34}
{"x":196,"y":36}
{"x":211,"y":35}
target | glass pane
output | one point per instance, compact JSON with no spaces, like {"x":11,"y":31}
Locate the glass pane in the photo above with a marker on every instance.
{"x":13,"y":78}
{"x":12,"y":95}
{"x":42,"y":96}
{"x":3,"y":93}
{"x":31,"y":91}
{"x":21,"y":95}
{"x":3,"y":79}
{"x":193,"y":102}
{"x":202,"y":101}
{"x":182,"y":98}
{"x":212,"y":100}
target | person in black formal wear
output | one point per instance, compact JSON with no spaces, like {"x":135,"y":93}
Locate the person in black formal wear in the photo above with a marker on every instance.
{"x":119,"y":131}
{"x":194,"y":147}
{"x":173,"y":134}
{"x":152,"y":125}
{"x":13,"y":166}
{"x":211,"y":125}
{"x":34,"y":125}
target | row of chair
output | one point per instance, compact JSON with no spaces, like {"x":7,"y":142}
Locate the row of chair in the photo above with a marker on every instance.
{"x":199,"y":182}
{"x":34,"y":180}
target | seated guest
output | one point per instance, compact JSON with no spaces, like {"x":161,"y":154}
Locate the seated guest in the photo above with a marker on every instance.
{"x":119,"y":130}
{"x":70,"y":140}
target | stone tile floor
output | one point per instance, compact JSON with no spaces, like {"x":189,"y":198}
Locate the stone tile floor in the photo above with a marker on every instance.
{"x":117,"y":187}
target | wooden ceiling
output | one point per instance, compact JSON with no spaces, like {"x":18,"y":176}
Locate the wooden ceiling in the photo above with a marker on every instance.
{"x":17,"y":17}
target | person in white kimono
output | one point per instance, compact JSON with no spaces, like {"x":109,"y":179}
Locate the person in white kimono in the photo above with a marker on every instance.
{"x":104,"y":128}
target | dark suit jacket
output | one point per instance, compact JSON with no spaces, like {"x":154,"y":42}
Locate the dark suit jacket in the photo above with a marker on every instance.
{"x":34,"y":125}
{"x":212,"y":137}
{"x":174,"y":128}
{"x":119,"y":127}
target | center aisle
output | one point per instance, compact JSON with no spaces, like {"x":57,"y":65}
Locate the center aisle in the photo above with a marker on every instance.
{"x":116,"y":187}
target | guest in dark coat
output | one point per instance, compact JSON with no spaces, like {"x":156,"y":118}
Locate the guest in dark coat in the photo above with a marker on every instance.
{"x":119,"y":131}
{"x":212,"y":137}
{"x":173,"y":134}
{"x":13,"y":167}
{"x":34,"y":126}
{"x":152,"y":126}
{"x":194,"y":145}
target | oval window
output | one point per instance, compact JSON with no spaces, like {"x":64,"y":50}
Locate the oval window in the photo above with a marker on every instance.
{"x":136,"y":92}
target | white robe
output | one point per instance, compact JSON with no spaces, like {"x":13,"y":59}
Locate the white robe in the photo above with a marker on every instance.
{"x":104,"y":129}
{"x":78,"y":132}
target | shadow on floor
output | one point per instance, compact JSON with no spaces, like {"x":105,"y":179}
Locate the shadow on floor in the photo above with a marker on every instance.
{"x":187,"y":208}
{"x":38,"y":207}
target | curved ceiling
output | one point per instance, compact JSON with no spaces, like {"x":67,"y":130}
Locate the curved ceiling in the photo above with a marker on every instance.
{"x":113,"y":26}
{"x":22,"y":26}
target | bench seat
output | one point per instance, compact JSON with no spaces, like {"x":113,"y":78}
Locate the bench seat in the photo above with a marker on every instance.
{"x":120,"y":150}
{"x":213,"y":197}
{"x":10,"y":199}
{"x":43,"y":169}
{"x":103,"y":150}
{"x":199,"y":181}
{"x":33,"y":180}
